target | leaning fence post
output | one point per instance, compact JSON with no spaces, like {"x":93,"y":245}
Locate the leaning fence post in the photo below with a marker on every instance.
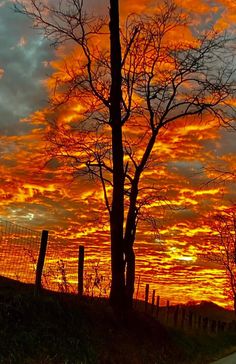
{"x":81,"y":271}
{"x":40,"y":263}
{"x":146,"y":297}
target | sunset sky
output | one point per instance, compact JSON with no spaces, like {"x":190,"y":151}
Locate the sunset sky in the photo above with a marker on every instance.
{"x":170,"y":256}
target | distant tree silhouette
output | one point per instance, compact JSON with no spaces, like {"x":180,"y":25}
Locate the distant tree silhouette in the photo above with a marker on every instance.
{"x":224,"y":243}
{"x":131,"y":79}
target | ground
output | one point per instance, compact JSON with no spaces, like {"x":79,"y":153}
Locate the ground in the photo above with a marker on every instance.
{"x":61,"y":328}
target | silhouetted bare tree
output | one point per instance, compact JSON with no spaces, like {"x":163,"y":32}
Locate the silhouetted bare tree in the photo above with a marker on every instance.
{"x":224,"y":243}
{"x":131,"y":79}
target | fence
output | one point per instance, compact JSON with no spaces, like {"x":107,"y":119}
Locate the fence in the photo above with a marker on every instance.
{"x":22,"y":254}
{"x":182,"y":316}
{"x":19,"y":247}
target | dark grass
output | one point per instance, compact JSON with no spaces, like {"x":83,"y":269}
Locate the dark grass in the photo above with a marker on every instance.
{"x":60,"y":328}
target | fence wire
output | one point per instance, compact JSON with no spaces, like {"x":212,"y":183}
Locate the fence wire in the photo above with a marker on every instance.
{"x":19,"y":247}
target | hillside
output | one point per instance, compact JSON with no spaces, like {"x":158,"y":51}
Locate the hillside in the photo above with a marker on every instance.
{"x":60,"y":328}
{"x":213,"y":311}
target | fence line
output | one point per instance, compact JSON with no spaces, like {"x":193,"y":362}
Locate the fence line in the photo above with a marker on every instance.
{"x":22,"y":254}
{"x":183,"y":316}
{"x":19,"y":248}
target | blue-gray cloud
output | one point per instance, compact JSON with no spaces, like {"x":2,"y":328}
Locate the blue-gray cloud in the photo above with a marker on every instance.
{"x":23,"y":55}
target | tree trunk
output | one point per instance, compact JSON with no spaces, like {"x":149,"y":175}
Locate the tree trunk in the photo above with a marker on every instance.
{"x":117,"y":294}
{"x":131,"y":222}
{"x":129,"y":239}
{"x":130,"y":274}
{"x":235,"y":304}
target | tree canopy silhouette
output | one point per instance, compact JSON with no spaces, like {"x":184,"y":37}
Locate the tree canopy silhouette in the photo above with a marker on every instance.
{"x":130,"y":80}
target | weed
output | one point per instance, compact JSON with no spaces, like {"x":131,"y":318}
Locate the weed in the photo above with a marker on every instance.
{"x":58,"y":275}
{"x":96,"y":284}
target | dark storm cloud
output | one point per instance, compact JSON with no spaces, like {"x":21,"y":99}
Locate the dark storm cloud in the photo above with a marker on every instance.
{"x":23,"y":55}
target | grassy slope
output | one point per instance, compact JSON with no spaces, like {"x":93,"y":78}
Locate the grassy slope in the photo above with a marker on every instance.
{"x":56,"y":328}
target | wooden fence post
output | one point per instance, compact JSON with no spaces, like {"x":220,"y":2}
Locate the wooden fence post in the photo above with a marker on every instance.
{"x":158,"y":307}
{"x":153,"y":300}
{"x":205,"y":321}
{"x":199,"y":322}
{"x":137,"y":292}
{"x":233,"y":325}
{"x":213,"y":326}
{"x":81,"y":271}
{"x":176,"y":315}
{"x":146,"y":296}
{"x":183,"y":317}
{"x":190,"y":319}
{"x":40,"y":263}
{"x":167,"y":310}
{"x":195,"y":320}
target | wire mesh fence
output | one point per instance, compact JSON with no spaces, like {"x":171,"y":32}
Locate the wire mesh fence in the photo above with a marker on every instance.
{"x":19,"y":247}
{"x":19,"y":252}
{"x":60,"y":271}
